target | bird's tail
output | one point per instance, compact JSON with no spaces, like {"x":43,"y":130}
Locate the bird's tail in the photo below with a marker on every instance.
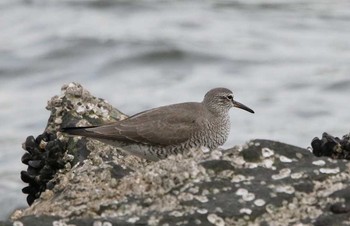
{"x":79,"y":131}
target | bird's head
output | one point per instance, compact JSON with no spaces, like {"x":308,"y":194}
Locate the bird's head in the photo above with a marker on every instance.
{"x":221,"y":100}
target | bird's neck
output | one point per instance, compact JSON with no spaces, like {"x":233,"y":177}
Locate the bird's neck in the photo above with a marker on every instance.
{"x":220,"y":113}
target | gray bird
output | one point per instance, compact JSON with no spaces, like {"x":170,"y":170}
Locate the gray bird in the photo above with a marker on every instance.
{"x":154,"y":134}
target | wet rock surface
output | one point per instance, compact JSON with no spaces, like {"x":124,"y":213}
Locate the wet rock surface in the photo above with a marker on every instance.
{"x":261,"y":183}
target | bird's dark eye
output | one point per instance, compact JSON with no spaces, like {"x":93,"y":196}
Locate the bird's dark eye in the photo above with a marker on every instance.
{"x":230,"y":97}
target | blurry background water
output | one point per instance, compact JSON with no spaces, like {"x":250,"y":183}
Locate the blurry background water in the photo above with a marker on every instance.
{"x":289,"y":60}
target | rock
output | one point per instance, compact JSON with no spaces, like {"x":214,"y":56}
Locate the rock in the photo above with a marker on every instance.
{"x":50,"y":151}
{"x":261,"y":183}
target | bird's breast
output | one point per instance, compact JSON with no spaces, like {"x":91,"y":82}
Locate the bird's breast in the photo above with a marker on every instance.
{"x":215,"y":132}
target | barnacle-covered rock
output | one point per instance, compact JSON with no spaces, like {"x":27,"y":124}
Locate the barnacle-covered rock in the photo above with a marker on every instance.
{"x":282,"y":183}
{"x":51,"y":151}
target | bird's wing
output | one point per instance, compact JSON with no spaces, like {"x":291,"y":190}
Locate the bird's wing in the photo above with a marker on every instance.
{"x":159,"y":126}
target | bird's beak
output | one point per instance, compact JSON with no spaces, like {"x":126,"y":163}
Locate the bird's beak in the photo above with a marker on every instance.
{"x":241,"y":106}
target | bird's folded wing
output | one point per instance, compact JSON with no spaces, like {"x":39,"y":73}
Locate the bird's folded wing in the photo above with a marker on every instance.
{"x":155,"y":127}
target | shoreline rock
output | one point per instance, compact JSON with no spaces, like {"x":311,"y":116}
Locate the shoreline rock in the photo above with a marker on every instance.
{"x":78,"y":181}
{"x":51,"y":151}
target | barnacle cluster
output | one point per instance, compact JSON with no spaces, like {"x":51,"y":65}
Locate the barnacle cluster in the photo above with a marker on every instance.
{"x":44,"y":156}
{"x":330,"y":146}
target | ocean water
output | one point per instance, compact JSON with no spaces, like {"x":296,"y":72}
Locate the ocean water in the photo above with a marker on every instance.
{"x":288,"y":60}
